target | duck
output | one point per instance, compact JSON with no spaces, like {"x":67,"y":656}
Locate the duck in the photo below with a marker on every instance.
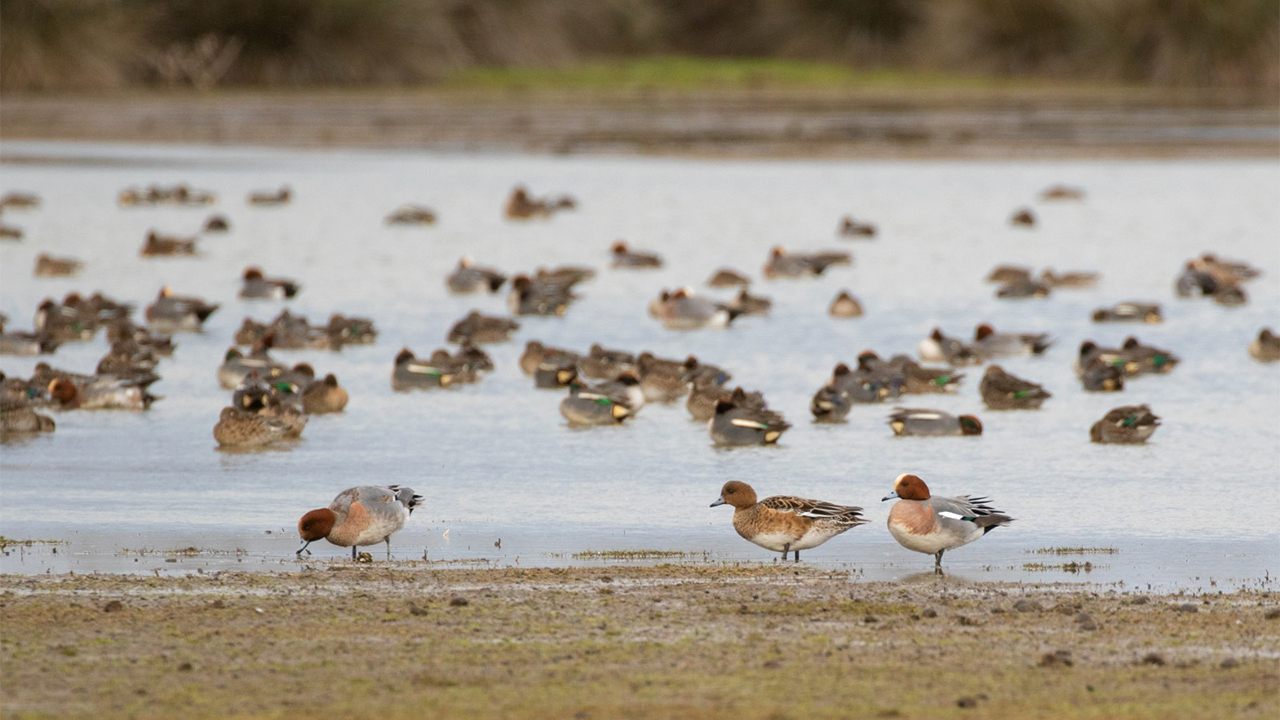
{"x":1002,"y":391}
{"x":50,"y":266}
{"x":521,"y":206}
{"x":785,"y":523}
{"x":538,"y":297}
{"x":735,"y":424}
{"x":482,"y":329}
{"x":360,"y":516}
{"x":324,"y":396}
{"x":1062,"y":192}
{"x":704,"y":394}
{"x":269,"y":198}
{"x":991,"y":344}
{"x":127,"y":357}
{"x":1129,"y":312}
{"x":217,"y":224}
{"x":744,"y":303}
{"x":782,"y":264}
{"x":601,"y":363}
{"x":727,"y":277}
{"x":236,"y":366}
{"x":934,"y":525}
{"x":19,"y":201}
{"x":938,"y":347}
{"x":1019,"y":289}
{"x":852,"y":228}
{"x":346,"y":330}
{"x":105,"y":392}
{"x":1004,"y":274}
{"x":1128,"y":425}
{"x":18,"y":417}
{"x":919,"y":422}
{"x":10,"y":232}
{"x":535,"y":353}
{"x":1090,"y":353}
{"x":468,"y":277}
{"x":17,"y":342}
{"x":585,"y":405}
{"x":625,"y":257}
{"x":1150,"y":360}
{"x":1100,"y":376}
{"x":684,"y":310}
{"x":1074,"y":279}
{"x":412,"y":215}
{"x":663,"y":380}
{"x":555,"y":372}
{"x":920,"y":380}
{"x":257,"y":286}
{"x":845,"y":306}
{"x":157,"y":244}
{"x":473,"y":358}
{"x":846,"y":388}
{"x":171,"y":313}
{"x":1266,"y":347}
{"x":411,"y":373}
{"x":1023,"y":217}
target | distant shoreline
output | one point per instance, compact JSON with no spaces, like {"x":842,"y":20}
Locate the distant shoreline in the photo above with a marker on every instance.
{"x":873,"y":123}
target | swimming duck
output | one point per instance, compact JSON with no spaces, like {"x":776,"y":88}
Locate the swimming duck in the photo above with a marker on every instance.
{"x":1127,"y":425}
{"x":410,"y":373}
{"x":846,"y":388}
{"x":63,"y":323}
{"x":1129,"y":312}
{"x":992,"y":344}
{"x":1004,"y":274}
{"x":156,"y":244}
{"x":217,"y":224}
{"x":920,"y":380}
{"x":602,"y":363}
{"x":1023,"y":289}
{"x":236,"y":366}
{"x":661,"y":379}
{"x":15,"y":342}
{"x":534,"y":297}
{"x":852,"y":228}
{"x":784,"y":523}
{"x":468,"y":278}
{"x":127,"y":357}
{"x":727,"y":277}
{"x":279,"y":197}
{"x":684,"y":310}
{"x":1023,"y":218}
{"x":887,"y":377}
{"x":346,"y":330}
{"x":171,"y":313}
{"x":19,"y":201}
{"x":359,"y":516}
{"x":933,"y":525}
{"x":520,"y":206}
{"x":49,"y":266}
{"x":932,"y":423}
{"x":535,"y":353}
{"x":938,"y":347}
{"x":259,"y":287}
{"x":735,"y":424}
{"x":1150,"y":359}
{"x":106,"y":392}
{"x":845,"y":306}
{"x":481,"y":329}
{"x":10,"y":232}
{"x":1076,"y":279}
{"x":18,"y":417}
{"x":412,"y":215}
{"x":782,"y":264}
{"x":1101,"y":376}
{"x":555,"y":372}
{"x":625,"y":257}
{"x":1062,"y":192}
{"x":744,"y":303}
{"x":705,"y":393}
{"x":241,"y":429}
{"x":1002,"y":391}
{"x":586,"y":405}
{"x":1266,"y":348}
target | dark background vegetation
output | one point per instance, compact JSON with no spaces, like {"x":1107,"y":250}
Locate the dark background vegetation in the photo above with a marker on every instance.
{"x":65,"y":45}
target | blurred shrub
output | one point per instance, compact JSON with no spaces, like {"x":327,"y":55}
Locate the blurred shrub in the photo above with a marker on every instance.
{"x":70,"y":44}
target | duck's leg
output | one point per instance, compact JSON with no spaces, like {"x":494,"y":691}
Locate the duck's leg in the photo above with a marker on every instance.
{"x":387,"y":540}
{"x":796,"y":554}
{"x":937,"y":562}
{"x":785,"y":549}
{"x":353,"y":552}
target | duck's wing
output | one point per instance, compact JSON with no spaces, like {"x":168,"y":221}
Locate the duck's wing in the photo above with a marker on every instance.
{"x":904,"y":413}
{"x":964,"y":508}
{"x":815,"y":509}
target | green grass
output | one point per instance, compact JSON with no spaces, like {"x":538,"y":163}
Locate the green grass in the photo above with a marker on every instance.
{"x":690,"y":73}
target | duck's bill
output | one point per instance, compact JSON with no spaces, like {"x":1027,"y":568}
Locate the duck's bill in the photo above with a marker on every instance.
{"x":305,"y":543}
{"x":890,"y":496}
{"x":718,"y":502}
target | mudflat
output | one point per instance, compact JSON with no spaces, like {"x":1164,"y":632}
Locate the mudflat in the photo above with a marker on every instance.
{"x":684,"y":640}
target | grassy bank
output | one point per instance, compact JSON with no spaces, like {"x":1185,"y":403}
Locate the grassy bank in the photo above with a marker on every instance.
{"x":688,"y":641}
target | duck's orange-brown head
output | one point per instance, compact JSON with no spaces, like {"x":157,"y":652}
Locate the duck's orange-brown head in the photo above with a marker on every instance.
{"x":909,"y":487}
{"x":983,"y":332}
{"x":737,"y":494}
{"x":252,"y":273}
{"x":619,"y":248}
{"x":316,"y":524}
{"x":62,"y":390}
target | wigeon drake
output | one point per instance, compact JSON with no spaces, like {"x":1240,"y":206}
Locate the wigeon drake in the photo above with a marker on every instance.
{"x":784,"y":523}
{"x":934,"y":525}
{"x":364,"y":515}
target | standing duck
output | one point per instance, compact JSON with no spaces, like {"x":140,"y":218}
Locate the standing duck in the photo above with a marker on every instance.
{"x":364,"y":515}
{"x":934,"y":525}
{"x":1128,"y":425}
{"x":1002,"y":391}
{"x":784,"y":523}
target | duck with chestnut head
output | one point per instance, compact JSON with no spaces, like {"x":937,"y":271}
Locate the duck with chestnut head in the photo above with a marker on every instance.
{"x":933,"y":525}
{"x":784,"y":523}
{"x":364,"y":515}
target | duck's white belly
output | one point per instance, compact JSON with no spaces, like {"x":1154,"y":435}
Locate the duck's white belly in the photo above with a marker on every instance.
{"x":776,"y":541}
{"x":931,"y":543}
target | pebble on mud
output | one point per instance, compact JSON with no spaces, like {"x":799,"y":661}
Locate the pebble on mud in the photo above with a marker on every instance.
{"x":459,"y":601}
{"x":970,"y":701}
{"x":1057,"y":658}
{"x":967,"y":621}
{"x":1085,"y":622}
{"x":1229,"y":663}
{"x":1187,"y":608}
{"x":1153,"y":658}
{"x":1272,"y":614}
{"x":186,"y":667}
{"x":113,"y":606}
{"x":1025,"y":605}
{"x":929,"y":613}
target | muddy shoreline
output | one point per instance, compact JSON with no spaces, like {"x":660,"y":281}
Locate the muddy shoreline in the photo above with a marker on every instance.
{"x":683,"y":640}
{"x":932,"y":123}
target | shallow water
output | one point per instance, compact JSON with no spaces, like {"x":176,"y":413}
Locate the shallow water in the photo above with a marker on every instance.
{"x":1194,"y":507}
